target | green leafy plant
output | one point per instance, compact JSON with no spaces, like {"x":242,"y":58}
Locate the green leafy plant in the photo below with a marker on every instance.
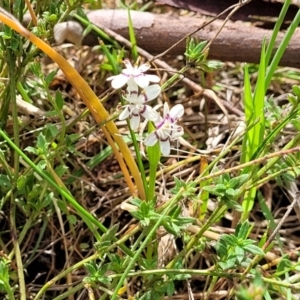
{"x":196,"y":55}
{"x":233,"y":248}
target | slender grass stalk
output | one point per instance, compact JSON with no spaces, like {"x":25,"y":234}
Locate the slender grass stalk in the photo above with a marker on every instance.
{"x":217,"y":213}
{"x":154,"y":156}
{"x":13,"y":97}
{"x":101,"y":34}
{"x":72,"y":291}
{"x":23,"y":92}
{"x":248,"y":104}
{"x":280,"y":51}
{"x":175,"y":77}
{"x":89,"y":97}
{"x":93,"y":257}
{"x":20,"y":269}
{"x":273,"y":158}
{"x":132,"y":37}
{"x":86,"y":216}
{"x":254,"y":110}
{"x":12,"y":92}
{"x":276,"y":30}
{"x":38,"y":241}
{"x":144,"y":244}
{"x":63,"y":274}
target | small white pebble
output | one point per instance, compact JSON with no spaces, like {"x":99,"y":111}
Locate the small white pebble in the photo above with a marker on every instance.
{"x":71,"y":31}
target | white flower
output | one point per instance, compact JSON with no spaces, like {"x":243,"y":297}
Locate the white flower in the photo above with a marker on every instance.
{"x":137,"y":107}
{"x":137,"y":73}
{"x":166,"y":129}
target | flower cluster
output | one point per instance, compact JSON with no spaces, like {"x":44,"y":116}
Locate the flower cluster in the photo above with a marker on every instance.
{"x":166,"y":130}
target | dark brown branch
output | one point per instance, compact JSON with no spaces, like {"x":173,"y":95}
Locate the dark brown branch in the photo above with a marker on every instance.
{"x":155,"y":33}
{"x":256,"y":10}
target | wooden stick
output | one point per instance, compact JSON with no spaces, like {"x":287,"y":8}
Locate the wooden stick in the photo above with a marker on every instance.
{"x":238,"y":41}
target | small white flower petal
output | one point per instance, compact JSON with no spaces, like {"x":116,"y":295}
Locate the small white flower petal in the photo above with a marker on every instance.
{"x":128,"y":66}
{"x":124,"y":114}
{"x":135,"y":122}
{"x":132,"y":96}
{"x":144,"y":67}
{"x":141,"y":80}
{"x":166,"y":109}
{"x":149,"y":113}
{"x":177,"y":133}
{"x":111,"y":78}
{"x":119,"y":81}
{"x":132,"y":86}
{"x":133,"y":73}
{"x":165,"y":147}
{"x":151,"y":139}
{"x":151,"y":92}
{"x":158,"y":121}
{"x":153,"y":78}
{"x":177,"y":111}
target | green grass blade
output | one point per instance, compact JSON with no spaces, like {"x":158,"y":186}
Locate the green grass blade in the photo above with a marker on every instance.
{"x":258,"y":104}
{"x":275,"y":31}
{"x":280,"y":51}
{"x":102,"y":34}
{"x":248,"y":106}
{"x":154,"y":155}
{"x":255,"y":136}
{"x":134,"y":51}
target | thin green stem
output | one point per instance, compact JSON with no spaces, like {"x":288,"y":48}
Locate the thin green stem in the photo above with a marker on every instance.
{"x":172,"y":79}
{"x":20,"y":269}
{"x":23,"y":233}
{"x":13,"y":98}
{"x":133,"y":248}
{"x":276,"y":29}
{"x":85,"y":215}
{"x":286,"y":149}
{"x":221,"y":209}
{"x":38,"y":242}
{"x":144,"y":244}
{"x":66,"y":14}
{"x":271,"y":176}
{"x":274,"y":157}
{"x":281,"y":49}
{"x":198,"y":272}
{"x":101,"y":33}
{"x":81,"y":263}
{"x":72,"y":291}
{"x":64,"y":273}
{"x":23,"y":92}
